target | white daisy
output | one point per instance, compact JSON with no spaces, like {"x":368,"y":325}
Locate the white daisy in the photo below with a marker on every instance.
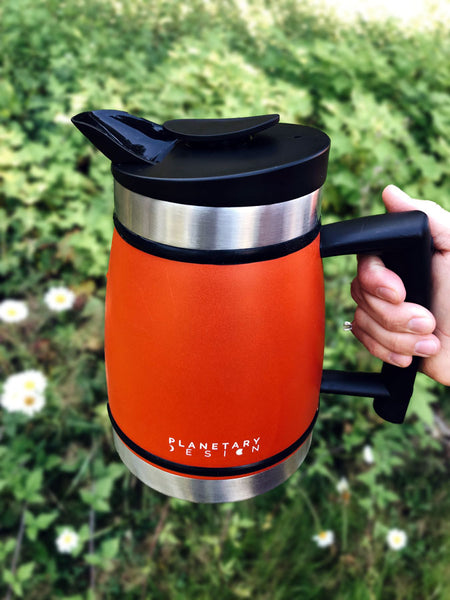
{"x":342,"y":485}
{"x":368,"y":455}
{"x":26,"y":381}
{"x":13,"y":311}
{"x":67,"y":541}
{"x":29,"y":403}
{"x":59,"y":299}
{"x":396,"y":539}
{"x":11,"y":400}
{"x":324,"y":538}
{"x":24,"y":392}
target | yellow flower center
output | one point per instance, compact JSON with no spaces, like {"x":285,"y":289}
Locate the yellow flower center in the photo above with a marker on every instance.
{"x":60,"y":298}
{"x":67,"y":538}
{"x":11,"y":312}
{"x":323,"y":535}
{"x":29,"y":400}
{"x":397,"y":539}
{"x":29,"y":385}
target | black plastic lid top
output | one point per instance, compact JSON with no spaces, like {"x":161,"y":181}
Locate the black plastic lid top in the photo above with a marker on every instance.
{"x":219,"y":130}
{"x":212,"y":162}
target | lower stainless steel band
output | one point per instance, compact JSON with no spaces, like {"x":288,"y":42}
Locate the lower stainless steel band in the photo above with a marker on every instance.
{"x":216,"y":228}
{"x":211,"y":490}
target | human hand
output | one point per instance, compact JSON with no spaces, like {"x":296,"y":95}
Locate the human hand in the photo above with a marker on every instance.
{"x":392,"y":329}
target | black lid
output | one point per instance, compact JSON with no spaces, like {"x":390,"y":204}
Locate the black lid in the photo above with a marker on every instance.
{"x":211,"y":162}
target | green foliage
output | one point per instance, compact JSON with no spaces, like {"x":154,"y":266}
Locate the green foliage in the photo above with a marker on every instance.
{"x":382,"y":94}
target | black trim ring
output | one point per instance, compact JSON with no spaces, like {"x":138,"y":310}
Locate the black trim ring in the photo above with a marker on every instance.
{"x":211,"y":471}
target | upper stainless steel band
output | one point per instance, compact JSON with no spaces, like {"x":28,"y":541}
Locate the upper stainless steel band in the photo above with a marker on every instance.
{"x":216,"y":228}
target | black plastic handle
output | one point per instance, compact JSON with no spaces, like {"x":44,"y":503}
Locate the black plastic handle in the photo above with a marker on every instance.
{"x":403,"y":241}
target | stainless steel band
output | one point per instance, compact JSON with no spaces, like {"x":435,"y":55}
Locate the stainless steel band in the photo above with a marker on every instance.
{"x":211,"y":490}
{"x":216,"y":228}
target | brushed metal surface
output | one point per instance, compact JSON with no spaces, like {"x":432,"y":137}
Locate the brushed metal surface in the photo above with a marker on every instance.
{"x":216,"y":228}
{"x":211,"y":490}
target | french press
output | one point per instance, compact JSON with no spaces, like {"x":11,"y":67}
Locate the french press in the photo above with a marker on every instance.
{"x":214,"y":327}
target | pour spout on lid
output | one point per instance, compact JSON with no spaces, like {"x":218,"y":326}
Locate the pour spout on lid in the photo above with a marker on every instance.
{"x":124,"y":138}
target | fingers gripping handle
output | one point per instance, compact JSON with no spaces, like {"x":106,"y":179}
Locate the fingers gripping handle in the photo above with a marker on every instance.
{"x":403,"y":241}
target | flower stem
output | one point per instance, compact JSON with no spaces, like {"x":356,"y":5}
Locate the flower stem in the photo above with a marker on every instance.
{"x":381,"y":579}
{"x":92,"y":545}
{"x":344,"y":526}
{"x":15,"y":558}
{"x":154,"y":541}
{"x":311,"y":508}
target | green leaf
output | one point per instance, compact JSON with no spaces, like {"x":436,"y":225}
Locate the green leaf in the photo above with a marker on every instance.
{"x":422,"y":400}
{"x":33,"y":482}
{"x":369,"y":478}
{"x":31,"y":526}
{"x":103,"y":487}
{"x":84,"y":533}
{"x":94,"y":559}
{"x":101,"y":505}
{"x":110,"y":548}
{"x":45,"y":519}
{"x":25,"y":571}
{"x":87,"y":496}
{"x":8,"y":576}
{"x":12,"y":580}
{"x":7,"y":547}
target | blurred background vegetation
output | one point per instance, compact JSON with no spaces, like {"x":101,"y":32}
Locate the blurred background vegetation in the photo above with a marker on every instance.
{"x":380,"y":89}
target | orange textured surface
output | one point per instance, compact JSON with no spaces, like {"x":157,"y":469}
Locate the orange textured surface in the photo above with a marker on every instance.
{"x":212,"y":365}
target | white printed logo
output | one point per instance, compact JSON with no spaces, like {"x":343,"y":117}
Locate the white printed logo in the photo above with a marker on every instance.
{"x":209,"y":449}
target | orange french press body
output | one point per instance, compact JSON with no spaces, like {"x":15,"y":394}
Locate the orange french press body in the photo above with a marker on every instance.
{"x":214,"y":330}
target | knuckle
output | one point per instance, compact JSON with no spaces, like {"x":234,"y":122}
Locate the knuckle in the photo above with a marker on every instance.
{"x":369,"y":343}
{"x":360,"y":317}
{"x":355,"y":291}
{"x":431,"y":206}
{"x":369,"y":270}
{"x":388,"y":316}
{"x":397,"y":343}
{"x":389,"y":320}
{"x":378,"y":351}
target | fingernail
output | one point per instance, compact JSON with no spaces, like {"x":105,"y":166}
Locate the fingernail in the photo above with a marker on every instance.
{"x":426,"y":347}
{"x":387,"y":294}
{"x":420,"y":325}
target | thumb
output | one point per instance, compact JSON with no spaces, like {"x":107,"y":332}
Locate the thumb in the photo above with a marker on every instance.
{"x":396,"y":200}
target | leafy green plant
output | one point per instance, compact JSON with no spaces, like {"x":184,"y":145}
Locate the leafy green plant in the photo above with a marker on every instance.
{"x":381,"y":93}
